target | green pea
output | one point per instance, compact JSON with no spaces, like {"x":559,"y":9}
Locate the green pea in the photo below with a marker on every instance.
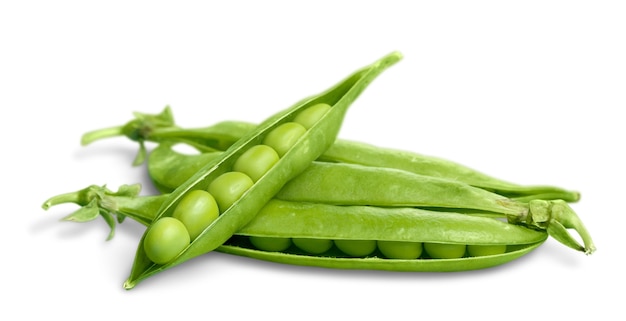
{"x":256,"y":161}
{"x":313,"y":246}
{"x":445,"y":251}
{"x":196,"y":211}
{"x":484,"y":250}
{"x":400,"y":250}
{"x":228,"y":188}
{"x":356,"y":248}
{"x":283,"y":137}
{"x":165,"y":239}
{"x":270,"y":244}
{"x":311,"y":115}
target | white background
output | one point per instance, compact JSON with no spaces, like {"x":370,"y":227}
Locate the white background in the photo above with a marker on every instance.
{"x":528,"y":91}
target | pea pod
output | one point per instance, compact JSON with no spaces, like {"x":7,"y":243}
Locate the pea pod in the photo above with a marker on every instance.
{"x":351,"y":184}
{"x":410,"y":265}
{"x":313,"y":220}
{"x":281,"y":219}
{"x":168,"y":168}
{"x":354,"y":223}
{"x":313,"y":142}
{"x":555,"y":217}
{"x":348,"y":184}
{"x":221,"y":135}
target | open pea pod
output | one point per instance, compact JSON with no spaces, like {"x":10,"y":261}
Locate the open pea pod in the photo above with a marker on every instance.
{"x":314,"y":220}
{"x":286,"y":220}
{"x":307,"y":148}
{"x":355,"y":223}
{"x":377,"y":263}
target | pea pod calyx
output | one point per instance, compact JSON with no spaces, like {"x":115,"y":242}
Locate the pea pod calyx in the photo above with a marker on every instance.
{"x":113,"y":206}
{"x":556,"y":217}
{"x":138,"y":129}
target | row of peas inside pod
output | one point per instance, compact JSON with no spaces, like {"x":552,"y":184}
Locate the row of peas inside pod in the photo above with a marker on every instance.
{"x":388,"y":249}
{"x":168,"y":236}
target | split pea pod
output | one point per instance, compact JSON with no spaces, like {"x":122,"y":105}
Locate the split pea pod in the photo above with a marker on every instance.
{"x":305,"y":145}
{"x":293,"y":220}
{"x":160,"y":128}
{"x":375,"y":225}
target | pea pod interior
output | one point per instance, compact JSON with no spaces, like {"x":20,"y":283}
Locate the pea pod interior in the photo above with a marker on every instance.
{"x":312,"y":144}
{"x":374,"y":263}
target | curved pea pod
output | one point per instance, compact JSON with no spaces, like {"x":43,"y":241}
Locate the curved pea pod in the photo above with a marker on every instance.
{"x":373,"y":263}
{"x":309,"y":220}
{"x":346,"y":184}
{"x":321,"y":221}
{"x":350,"y":184}
{"x":308,"y":147}
{"x":169,"y":169}
{"x":369,"y":155}
{"x":313,"y":220}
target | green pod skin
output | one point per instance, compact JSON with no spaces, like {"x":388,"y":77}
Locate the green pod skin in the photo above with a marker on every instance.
{"x":351,"y":184}
{"x":168,"y":169}
{"x":324,"y":221}
{"x":310,"y":146}
{"x":373,"y":263}
{"x":281,"y":219}
{"x":321,"y":221}
{"x":369,"y":155}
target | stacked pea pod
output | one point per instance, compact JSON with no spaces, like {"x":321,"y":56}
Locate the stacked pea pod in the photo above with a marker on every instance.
{"x":254,"y":191}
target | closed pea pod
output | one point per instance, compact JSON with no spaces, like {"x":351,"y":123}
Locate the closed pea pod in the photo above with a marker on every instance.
{"x":223,"y":134}
{"x":308,"y":147}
